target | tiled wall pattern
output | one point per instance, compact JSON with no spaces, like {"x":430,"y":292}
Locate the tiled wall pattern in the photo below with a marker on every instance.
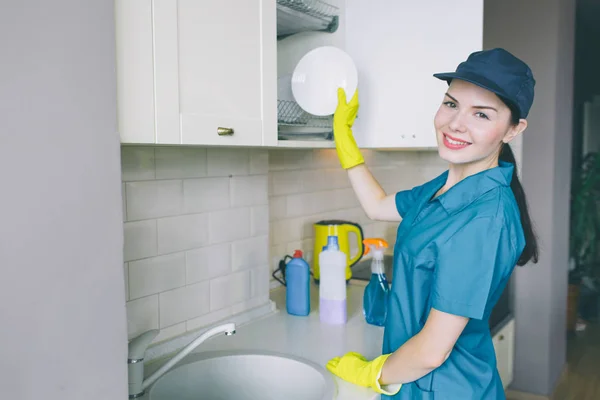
{"x":196,"y":235}
{"x":204,"y":227}
{"x":306,"y":186}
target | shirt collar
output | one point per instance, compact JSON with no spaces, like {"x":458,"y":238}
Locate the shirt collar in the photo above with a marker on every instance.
{"x":472,"y":187}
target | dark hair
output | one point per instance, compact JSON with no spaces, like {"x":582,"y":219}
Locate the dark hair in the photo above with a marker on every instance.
{"x":530,"y":252}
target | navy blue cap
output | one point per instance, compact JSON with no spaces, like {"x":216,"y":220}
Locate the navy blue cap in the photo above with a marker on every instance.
{"x":500,"y":72}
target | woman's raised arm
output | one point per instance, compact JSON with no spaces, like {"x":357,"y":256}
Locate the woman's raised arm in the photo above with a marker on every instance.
{"x":373,"y":199}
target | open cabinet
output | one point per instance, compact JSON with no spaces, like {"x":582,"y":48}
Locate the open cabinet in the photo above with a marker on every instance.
{"x":212,"y":72}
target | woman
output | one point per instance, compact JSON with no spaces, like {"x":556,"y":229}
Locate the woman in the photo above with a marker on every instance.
{"x":460,"y":237}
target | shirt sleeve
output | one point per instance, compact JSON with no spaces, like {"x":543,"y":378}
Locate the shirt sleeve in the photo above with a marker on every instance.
{"x":471,"y":265}
{"x":406,"y":199}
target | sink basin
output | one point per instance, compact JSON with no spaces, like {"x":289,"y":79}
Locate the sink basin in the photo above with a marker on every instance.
{"x":244,"y":375}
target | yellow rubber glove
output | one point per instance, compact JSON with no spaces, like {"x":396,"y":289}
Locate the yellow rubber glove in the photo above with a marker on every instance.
{"x":355,"y":368}
{"x":343,"y":119}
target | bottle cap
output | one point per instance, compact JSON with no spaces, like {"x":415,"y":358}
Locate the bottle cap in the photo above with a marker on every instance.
{"x":297,"y":253}
{"x":332,"y":243}
{"x":376,"y":243}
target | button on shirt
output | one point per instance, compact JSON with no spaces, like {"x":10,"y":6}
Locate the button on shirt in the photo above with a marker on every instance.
{"x":454,"y":253}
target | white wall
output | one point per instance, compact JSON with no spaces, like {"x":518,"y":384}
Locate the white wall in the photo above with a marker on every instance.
{"x":541,"y":32}
{"x":63,"y":334}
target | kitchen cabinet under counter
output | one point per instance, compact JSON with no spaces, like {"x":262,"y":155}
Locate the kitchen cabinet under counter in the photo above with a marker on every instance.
{"x":206,"y":72}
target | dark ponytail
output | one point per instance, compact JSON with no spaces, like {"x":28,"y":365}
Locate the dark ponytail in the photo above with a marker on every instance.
{"x":530,"y":252}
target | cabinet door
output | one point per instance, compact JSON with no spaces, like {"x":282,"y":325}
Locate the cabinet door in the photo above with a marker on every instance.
{"x":397,"y":47}
{"x":135,"y":71}
{"x":504,"y":347}
{"x":211,"y":61}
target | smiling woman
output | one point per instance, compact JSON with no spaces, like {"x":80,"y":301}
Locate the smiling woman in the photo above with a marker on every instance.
{"x":461,"y":236}
{"x":476,"y":121}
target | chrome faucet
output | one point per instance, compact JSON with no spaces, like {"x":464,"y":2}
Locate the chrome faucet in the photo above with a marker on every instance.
{"x":138,"y":346}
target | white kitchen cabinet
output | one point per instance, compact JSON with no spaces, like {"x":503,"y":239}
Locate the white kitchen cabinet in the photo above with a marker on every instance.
{"x":196,"y":72}
{"x":205,"y":72}
{"x":504,"y":345}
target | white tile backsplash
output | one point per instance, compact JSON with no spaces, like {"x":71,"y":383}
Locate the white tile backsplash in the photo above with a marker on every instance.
{"x":249,"y":190}
{"x":206,"y":194}
{"x":259,"y":220}
{"x":180,"y":162}
{"x":156,"y":274}
{"x":249,"y":253}
{"x":140,"y":239}
{"x":229,"y":290}
{"x":189,"y":211}
{"x":153,"y":199}
{"x":229,"y":225}
{"x":205,"y":226}
{"x":183,"y":232}
{"x":186,"y":302}
{"x":259,"y":162}
{"x":126,"y":277}
{"x":137,"y":163}
{"x":228,"y":161}
{"x":142,"y":315}
{"x":208,"y":262}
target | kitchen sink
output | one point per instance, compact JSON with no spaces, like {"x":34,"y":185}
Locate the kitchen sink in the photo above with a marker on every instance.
{"x":244,"y":375}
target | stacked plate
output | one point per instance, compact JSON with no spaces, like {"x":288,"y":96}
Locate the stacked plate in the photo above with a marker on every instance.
{"x":307,"y":98}
{"x":317,"y":77}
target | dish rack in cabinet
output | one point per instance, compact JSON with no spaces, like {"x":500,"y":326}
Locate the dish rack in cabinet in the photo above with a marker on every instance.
{"x":295,"y":123}
{"x":295,"y":16}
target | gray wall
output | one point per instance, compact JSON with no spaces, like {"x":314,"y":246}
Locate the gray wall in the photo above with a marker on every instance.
{"x":541,"y":32}
{"x":62,"y":302}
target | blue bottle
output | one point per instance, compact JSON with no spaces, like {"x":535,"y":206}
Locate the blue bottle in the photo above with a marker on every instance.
{"x":297,"y":279}
{"x":375,"y":298}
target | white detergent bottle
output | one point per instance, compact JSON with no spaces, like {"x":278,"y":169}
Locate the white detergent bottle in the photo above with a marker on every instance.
{"x":332,"y":285}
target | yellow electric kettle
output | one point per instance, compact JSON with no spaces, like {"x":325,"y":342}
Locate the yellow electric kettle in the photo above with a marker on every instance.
{"x":342,"y":230}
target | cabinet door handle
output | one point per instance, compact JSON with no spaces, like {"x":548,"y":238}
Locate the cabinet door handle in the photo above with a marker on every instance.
{"x":224,"y":131}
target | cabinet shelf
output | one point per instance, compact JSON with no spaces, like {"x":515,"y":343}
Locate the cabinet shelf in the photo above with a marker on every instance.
{"x":296,"y":124}
{"x":289,"y":113}
{"x":295,"y":16}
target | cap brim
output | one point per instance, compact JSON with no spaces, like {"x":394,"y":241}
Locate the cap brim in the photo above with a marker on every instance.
{"x":476,"y":80}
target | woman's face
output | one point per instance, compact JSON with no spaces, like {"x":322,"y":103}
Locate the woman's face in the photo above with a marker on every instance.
{"x":471,"y":124}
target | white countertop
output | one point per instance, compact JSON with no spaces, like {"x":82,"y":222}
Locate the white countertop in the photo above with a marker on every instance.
{"x":307,"y":337}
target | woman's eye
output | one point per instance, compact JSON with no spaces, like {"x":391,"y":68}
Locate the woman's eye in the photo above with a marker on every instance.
{"x":481,"y":115}
{"x":450,"y":104}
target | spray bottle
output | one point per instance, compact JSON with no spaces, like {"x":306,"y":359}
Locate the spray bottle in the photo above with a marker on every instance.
{"x":376,"y":293}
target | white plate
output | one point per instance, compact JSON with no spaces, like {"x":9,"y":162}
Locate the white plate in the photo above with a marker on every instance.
{"x":317,"y":77}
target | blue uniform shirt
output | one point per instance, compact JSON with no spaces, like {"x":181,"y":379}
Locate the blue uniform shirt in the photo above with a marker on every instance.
{"x":454,"y":253}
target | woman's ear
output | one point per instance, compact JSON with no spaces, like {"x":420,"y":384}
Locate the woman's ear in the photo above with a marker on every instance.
{"x":515,"y":130}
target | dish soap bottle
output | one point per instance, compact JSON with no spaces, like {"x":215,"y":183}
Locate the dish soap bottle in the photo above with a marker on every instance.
{"x":297,"y":283}
{"x":332,"y":284}
{"x":376,"y":294}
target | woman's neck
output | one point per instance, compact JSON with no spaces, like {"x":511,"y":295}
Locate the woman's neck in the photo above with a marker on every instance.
{"x":458,"y":172}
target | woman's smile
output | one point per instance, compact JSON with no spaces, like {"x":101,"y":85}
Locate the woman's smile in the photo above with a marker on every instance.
{"x":454,"y":143}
